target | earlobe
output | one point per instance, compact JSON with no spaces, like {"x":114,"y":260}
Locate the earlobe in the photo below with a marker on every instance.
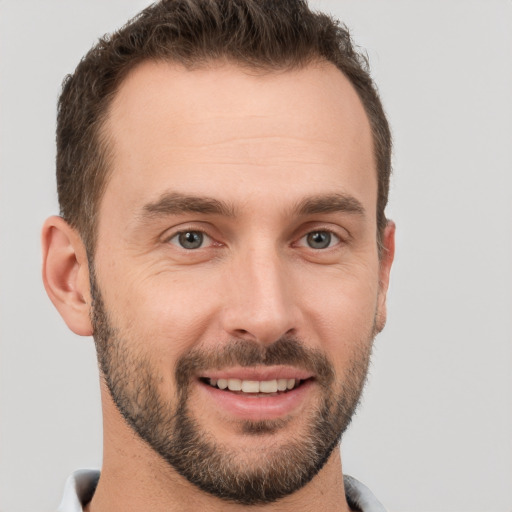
{"x":386,"y":260}
{"x":66,"y":274}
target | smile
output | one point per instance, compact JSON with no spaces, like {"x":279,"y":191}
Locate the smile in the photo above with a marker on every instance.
{"x":258,"y":393}
{"x":255,"y":386}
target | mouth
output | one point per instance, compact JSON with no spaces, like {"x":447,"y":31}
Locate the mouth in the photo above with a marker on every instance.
{"x":257,"y":394}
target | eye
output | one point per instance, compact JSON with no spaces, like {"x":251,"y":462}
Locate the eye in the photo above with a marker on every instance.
{"x":189,"y":239}
{"x":321,"y":239}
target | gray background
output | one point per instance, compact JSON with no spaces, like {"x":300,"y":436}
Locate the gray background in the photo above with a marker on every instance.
{"x":434,"y":429}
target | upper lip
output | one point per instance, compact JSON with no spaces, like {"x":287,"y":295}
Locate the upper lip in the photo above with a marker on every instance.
{"x":258,"y":373}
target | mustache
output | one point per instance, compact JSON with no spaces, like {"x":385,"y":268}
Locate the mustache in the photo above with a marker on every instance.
{"x":240,"y":352}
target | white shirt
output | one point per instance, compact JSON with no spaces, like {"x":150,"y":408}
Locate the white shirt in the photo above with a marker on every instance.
{"x":81,"y":484}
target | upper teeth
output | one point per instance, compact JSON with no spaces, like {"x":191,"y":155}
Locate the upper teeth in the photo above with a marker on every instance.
{"x":254,"y":386}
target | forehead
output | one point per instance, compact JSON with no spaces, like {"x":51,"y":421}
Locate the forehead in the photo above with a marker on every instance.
{"x":235,"y":131}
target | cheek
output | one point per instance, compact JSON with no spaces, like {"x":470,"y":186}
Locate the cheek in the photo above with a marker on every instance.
{"x":165,"y":313}
{"x":341,"y":307}
{"x":162,"y":313}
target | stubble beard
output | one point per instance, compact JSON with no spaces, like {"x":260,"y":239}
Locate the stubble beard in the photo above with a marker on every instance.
{"x":170,"y":429}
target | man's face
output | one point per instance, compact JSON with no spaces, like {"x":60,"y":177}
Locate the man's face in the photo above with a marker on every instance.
{"x":237,"y":247}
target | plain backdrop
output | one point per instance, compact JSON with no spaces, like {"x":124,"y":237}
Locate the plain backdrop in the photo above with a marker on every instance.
{"x":434,"y":431}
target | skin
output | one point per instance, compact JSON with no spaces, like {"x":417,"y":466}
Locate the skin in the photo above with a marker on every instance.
{"x":262,"y":143}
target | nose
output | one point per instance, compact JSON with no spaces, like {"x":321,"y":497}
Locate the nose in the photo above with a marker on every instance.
{"x":260,"y":303}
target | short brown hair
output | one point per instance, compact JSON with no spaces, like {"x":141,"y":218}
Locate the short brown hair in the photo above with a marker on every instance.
{"x":262,"y":34}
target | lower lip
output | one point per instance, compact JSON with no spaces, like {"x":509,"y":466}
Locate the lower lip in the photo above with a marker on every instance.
{"x":258,"y":407}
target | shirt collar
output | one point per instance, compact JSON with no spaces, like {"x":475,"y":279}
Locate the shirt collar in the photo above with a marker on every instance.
{"x":80,"y":487}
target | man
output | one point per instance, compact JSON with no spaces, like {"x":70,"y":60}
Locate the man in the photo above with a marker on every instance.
{"x":223,"y":170}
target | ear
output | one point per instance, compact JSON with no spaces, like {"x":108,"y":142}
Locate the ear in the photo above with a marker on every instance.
{"x":66,"y":274}
{"x":386,"y":260}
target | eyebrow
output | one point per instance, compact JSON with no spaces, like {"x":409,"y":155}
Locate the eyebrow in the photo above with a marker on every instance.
{"x":331,"y":203}
{"x":174,"y":204}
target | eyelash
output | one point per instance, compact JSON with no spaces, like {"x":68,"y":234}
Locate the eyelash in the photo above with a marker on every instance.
{"x":177,"y":235}
{"x":174,"y":239}
{"x":331,"y":234}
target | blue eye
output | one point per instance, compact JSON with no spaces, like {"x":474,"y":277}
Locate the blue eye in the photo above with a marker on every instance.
{"x":189,"y":239}
{"x":321,"y":239}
